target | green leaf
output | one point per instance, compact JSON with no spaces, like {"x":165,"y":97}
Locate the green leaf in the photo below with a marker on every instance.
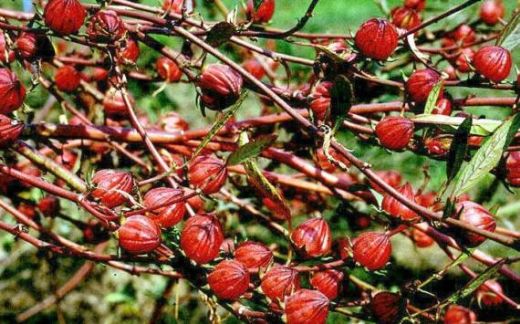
{"x":487,"y":157}
{"x":448,"y":209}
{"x":251,"y":149}
{"x":510,"y":36}
{"x":458,"y":149}
{"x":220,"y":33}
{"x":341,"y":98}
{"x":480,"y":127}
{"x":433,"y":97}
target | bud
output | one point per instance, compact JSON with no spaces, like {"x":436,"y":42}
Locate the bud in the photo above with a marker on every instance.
{"x":405,"y":18}
{"x":492,"y":11}
{"x":396,"y":208}
{"x":391,"y":177}
{"x":421,"y":83}
{"x":253,"y":255}
{"x":377,"y":39}
{"x":263,"y":13}
{"x":513,"y":169}
{"x":229,"y":280}
{"x":64,"y":16}
{"x":207,"y":173}
{"x":464,"y":59}
{"x":6,"y":55}
{"x":394,"y":132}
{"x":106,"y":26}
{"x":130,"y":52}
{"x":477,"y":216}
{"x":415,"y":4}
{"x":67,"y":78}
{"x":457,"y":314}
{"x":112,"y":187}
{"x":168,"y":70}
{"x":443,"y":107}
{"x":10,"y":131}
{"x":49,"y":206}
{"x":33,"y":46}
{"x":307,"y":307}
{"x":312,"y":238}
{"x":170,"y":214}
{"x":201,"y":238}
{"x":387,"y":307}
{"x":488,"y":297}
{"x":220,"y":86}
{"x":493,"y":63}
{"x":139,"y":235}
{"x":421,"y":239}
{"x":372,"y":250}
{"x":280,"y":281}
{"x":320,"y":103}
{"x":328,"y":282}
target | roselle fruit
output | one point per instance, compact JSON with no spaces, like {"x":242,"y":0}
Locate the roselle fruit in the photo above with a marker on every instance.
{"x":372,"y":250}
{"x":387,"y":307}
{"x":229,"y":280}
{"x":462,"y":35}
{"x":6,"y":55}
{"x":201,"y":238}
{"x":106,"y":26}
{"x":171,"y":213}
{"x":263,"y":13}
{"x":139,"y":235}
{"x":493,"y":63}
{"x":254,"y":67}
{"x":415,"y":4}
{"x":207,"y":173}
{"x":391,"y":177}
{"x":280,"y":281}
{"x":320,"y":103}
{"x":130,"y":52}
{"x":477,"y":216}
{"x":12,"y":91}
{"x":443,"y":107}
{"x":376,"y":39}
{"x":67,"y":78}
{"x":114,"y":105}
{"x":10,"y":131}
{"x":328,"y":282}
{"x":323,"y":162}
{"x":464,"y":60}
{"x":64,"y":16}
{"x":405,"y":18}
{"x":168,"y":70}
{"x":32,"y":46}
{"x":253,"y":255}
{"x":307,"y":307}
{"x":220,"y":86}
{"x":49,"y":205}
{"x":67,"y":159}
{"x":421,"y":83}
{"x":396,"y":208}
{"x":421,"y":239}
{"x":492,"y":11}
{"x":487,"y":297}
{"x":456,"y":314}
{"x":513,"y":169}
{"x":394,"y":132}
{"x":312,"y":238}
{"x":112,"y":187}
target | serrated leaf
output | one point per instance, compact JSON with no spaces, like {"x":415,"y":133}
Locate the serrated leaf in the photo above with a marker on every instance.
{"x":510,"y":36}
{"x":487,"y":157}
{"x":220,"y":33}
{"x":341,"y":98}
{"x":433,"y":97}
{"x":458,"y":149}
{"x":251,"y":149}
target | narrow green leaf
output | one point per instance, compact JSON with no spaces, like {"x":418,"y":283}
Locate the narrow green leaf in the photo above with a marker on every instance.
{"x":480,"y":127}
{"x":510,"y":36}
{"x":220,"y":33}
{"x":448,"y":209}
{"x":251,"y":149}
{"x":341,"y":98}
{"x":458,"y":149}
{"x":433,"y":97}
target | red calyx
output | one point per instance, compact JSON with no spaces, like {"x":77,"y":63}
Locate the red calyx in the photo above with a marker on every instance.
{"x":307,"y":307}
{"x":201,"y":238}
{"x":513,"y":169}
{"x":111,"y":186}
{"x":492,"y":11}
{"x":328,"y":282}
{"x":254,"y":67}
{"x":372,"y":250}
{"x":168,"y":70}
{"x":66,"y":159}
{"x":487,"y":297}
{"x":396,"y":208}
{"x":421,"y":83}
{"x":220,"y":86}
{"x":139,"y":235}
{"x":457,"y":314}
{"x":229,"y":280}
{"x":313,"y":238}
{"x":175,"y":6}
{"x":280,"y":281}
{"x":405,"y":18}
{"x":49,"y":206}
{"x":377,"y":39}
{"x":33,"y":46}
{"x":320,"y":103}
{"x":323,"y":162}
{"x":168,"y":215}
{"x":464,"y":59}
{"x":443,"y":107}
{"x":67,"y":78}
{"x":207,"y":173}
{"x":477,"y":216}
{"x":392,"y":178}
{"x":394,"y":132}
{"x":415,"y":4}
{"x":106,"y":26}
{"x":12,"y":91}
{"x":10,"y":131}
{"x":114,"y":104}
{"x":6,"y":55}
{"x":421,"y":239}
{"x":387,"y":307}
{"x":263,"y":13}
{"x":130,"y":52}
{"x":253,"y":255}
{"x":64,"y":16}
{"x":438,"y":146}
{"x":493,"y":63}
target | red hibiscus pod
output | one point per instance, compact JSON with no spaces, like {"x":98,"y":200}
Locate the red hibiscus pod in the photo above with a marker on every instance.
{"x":513,"y":169}
{"x":395,"y":208}
{"x":372,"y":250}
{"x":139,"y":235}
{"x":391,"y":177}
{"x":443,"y":107}
{"x":426,"y":200}
{"x":207,"y":173}
{"x":415,"y":4}
{"x":114,"y":104}
{"x":307,"y":307}
{"x":405,"y":18}
{"x":421,"y":239}
{"x":168,"y":70}
{"x":487,"y":296}
{"x":6,"y":55}
{"x":64,"y":16}
{"x":173,"y":122}
{"x":387,"y":307}
{"x":492,"y":11}
{"x":254,"y":67}
{"x":328,"y":282}
{"x":323,"y":162}
{"x":67,"y":78}
{"x":112,"y":187}
{"x":377,"y":39}
{"x":220,"y":86}
{"x":29,"y":169}
{"x":12,"y":91}
{"x":49,"y":205}
{"x":459,"y":315}
{"x":394,"y":132}
{"x":33,"y":46}
{"x":10,"y":131}
{"x":106,"y":26}
{"x":280,"y":281}
{"x":130,"y":52}
{"x":320,"y":103}
{"x":493,"y":63}
{"x":228,"y":246}
{"x":66,"y":159}
{"x":98,"y":74}
{"x":263,"y":13}
{"x":196,"y":203}
{"x":464,"y":59}
{"x":171,"y":213}
{"x":313,"y":238}
{"x":477,"y":216}
{"x":464,"y":35}
{"x":421,"y":83}
{"x":175,"y":6}
{"x":253,"y":255}
{"x":28,"y":210}
{"x":229,"y":280}
{"x":438,"y":146}
{"x":201,"y":238}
